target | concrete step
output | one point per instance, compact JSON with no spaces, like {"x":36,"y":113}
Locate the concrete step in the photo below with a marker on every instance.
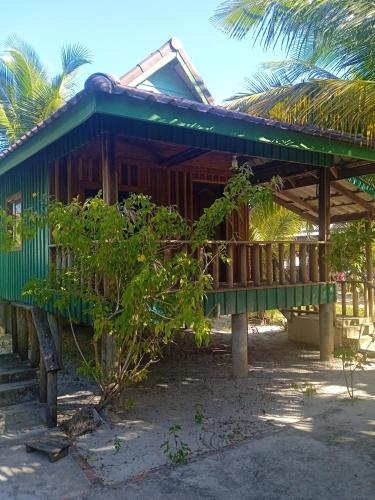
{"x":21,"y":417}
{"x":18,"y":392}
{"x":5,"y":344}
{"x":12,"y":369}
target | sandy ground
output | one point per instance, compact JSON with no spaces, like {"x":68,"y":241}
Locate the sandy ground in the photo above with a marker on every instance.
{"x":258,"y":438}
{"x":192,"y":382}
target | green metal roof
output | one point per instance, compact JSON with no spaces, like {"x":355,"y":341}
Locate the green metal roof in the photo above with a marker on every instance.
{"x":184,"y":122}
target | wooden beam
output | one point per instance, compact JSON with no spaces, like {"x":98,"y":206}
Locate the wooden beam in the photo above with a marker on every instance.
{"x":353,"y":216}
{"x":294,"y":209}
{"x":324,"y":219}
{"x":353,"y":196}
{"x":186,"y":155}
{"x":299,"y":201}
{"x":109,"y":170}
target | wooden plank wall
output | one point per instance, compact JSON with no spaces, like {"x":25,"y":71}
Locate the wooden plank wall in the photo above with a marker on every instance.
{"x":140,"y":170}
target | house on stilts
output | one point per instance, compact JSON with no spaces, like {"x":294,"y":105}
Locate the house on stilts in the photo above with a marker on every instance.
{"x":157,"y":130}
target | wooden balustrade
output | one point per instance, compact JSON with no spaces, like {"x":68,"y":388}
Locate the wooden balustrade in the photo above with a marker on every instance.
{"x":248,"y":264}
{"x":353,"y":297}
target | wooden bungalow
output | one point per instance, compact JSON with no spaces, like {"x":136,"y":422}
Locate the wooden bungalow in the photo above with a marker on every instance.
{"x":156,"y":130}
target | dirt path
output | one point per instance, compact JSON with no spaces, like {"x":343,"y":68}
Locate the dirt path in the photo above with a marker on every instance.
{"x":257,"y":438}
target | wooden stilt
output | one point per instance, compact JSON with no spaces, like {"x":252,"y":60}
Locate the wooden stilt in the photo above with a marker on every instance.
{"x":239,"y":345}
{"x":326,"y":317}
{"x":370,"y":275}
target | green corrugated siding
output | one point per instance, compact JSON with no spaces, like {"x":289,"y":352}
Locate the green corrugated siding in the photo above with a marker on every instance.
{"x":17,"y":267}
{"x":263,"y":299}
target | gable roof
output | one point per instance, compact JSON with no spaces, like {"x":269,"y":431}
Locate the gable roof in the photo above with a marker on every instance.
{"x":169,"y":71}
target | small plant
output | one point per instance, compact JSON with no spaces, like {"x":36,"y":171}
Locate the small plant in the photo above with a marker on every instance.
{"x":198,"y":417}
{"x":117,"y":443}
{"x":352,"y":360}
{"x":308,"y":389}
{"x":176,"y":450}
{"x":129,"y":404}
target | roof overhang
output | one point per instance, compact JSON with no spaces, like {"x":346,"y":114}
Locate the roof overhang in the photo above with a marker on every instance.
{"x":231,"y":130}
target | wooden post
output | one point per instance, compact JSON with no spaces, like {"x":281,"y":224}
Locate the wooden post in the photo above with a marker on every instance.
{"x":110,"y":196}
{"x":281,"y":264}
{"x":255,"y":265}
{"x":355,"y":299}
{"x":56,"y":331}
{"x":269,"y":264}
{"x":314,"y":265}
{"x":370,"y":274}
{"x":14,"y":329}
{"x":239,"y":345}
{"x":292,"y":263}
{"x":303,"y":263}
{"x":23,"y":334}
{"x":215,"y":267}
{"x":33,"y":340}
{"x":51,"y":399}
{"x":326,"y":316}
{"x":343,"y":298}
{"x":42,"y":381}
{"x":230,"y":265}
{"x":243,"y":264}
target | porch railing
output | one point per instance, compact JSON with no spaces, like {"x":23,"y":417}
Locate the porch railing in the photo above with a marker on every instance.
{"x":246,"y":264}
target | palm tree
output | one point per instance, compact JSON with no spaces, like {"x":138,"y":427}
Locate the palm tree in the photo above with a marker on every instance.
{"x":27,"y":94}
{"x":272,"y":222}
{"x":328,"y":79}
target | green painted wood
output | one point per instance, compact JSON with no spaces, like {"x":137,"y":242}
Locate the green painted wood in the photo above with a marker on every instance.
{"x":262,"y":300}
{"x":230,"y":302}
{"x":167,"y":81}
{"x":271,"y":297}
{"x":253,"y":300}
{"x":290,"y":296}
{"x":241,"y":303}
{"x":18,"y":267}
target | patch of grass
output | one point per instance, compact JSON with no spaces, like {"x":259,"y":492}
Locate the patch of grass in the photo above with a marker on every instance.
{"x":308,"y":389}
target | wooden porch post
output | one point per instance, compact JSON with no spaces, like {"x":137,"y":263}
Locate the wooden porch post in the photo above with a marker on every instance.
{"x":239,"y":345}
{"x":326,"y":316}
{"x":110,"y":196}
{"x":370,"y":273}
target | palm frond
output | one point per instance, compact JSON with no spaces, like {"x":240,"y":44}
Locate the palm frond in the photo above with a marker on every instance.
{"x":73,"y":56}
{"x":272,"y":222}
{"x":347,"y":106}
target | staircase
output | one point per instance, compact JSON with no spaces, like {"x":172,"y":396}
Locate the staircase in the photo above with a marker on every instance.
{"x":19,"y":389}
{"x":18,"y":382}
{"x":359,"y":330}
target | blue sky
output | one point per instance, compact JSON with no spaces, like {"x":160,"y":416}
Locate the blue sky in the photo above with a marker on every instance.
{"x":119,"y":33}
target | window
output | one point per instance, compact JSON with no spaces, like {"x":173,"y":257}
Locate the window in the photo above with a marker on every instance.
{"x":14,"y":210}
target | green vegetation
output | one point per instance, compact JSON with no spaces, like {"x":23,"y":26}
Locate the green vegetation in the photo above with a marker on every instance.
{"x":272,"y":222}
{"x":307,"y":389}
{"x":353,"y":359}
{"x":28,"y":95}
{"x":138,"y":287}
{"x":329,"y":78}
{"x":176,"y":450}
{"x":348,"y":249}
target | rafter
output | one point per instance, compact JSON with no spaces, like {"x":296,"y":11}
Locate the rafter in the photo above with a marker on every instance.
{"x":353,"y":196}
{"x":293,"y":208}
{"x":299,"y":201}
{"x":351,"y":217}
{"x":186,"y":155}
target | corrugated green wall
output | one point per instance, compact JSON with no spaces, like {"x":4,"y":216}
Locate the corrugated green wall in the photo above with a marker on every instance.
{"x":18,"y":267}
{"x":263,"y":299}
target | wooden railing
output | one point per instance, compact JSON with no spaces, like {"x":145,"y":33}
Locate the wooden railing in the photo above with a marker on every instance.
{"x":263,"y":263}
{"x":247,"y":263}
{"x":356,"y":298}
